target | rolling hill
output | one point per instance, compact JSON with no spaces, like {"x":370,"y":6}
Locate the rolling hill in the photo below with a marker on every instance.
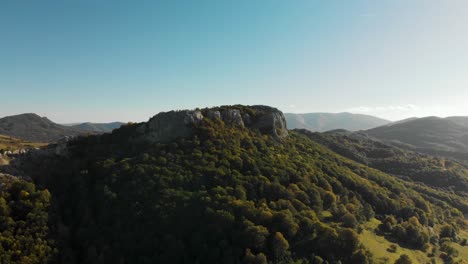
{"x":437,"y":172}
{"x":321,"y":122}
{"x":33,"y":128}
{"x":432,"y":135}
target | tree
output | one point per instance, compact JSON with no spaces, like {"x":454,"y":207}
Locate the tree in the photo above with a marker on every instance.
{"x":329,"y":200}
{"x":349,"y":221}
{"x":361,"y":257}
{"x":448,"y":231}
{"x":280,"y":246}
{"x":251,"y":258}
{"x":403,"y":259}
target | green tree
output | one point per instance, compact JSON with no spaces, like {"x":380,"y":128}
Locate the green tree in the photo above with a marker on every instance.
{"x":280,"y":246}
{"x":403,"y":259}
{"x":251,"y":258}
{"x":349,"y":221}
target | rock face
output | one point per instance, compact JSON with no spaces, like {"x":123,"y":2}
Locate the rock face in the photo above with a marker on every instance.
{"x":168,"y":126}
{"x":232,"y":117}
{"x":272,"y":122}
{"x":165,"y":127}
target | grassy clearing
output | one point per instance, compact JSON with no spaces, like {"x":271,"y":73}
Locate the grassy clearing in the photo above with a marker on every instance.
{"x":379,"y":246}
{"x":463,"y":252}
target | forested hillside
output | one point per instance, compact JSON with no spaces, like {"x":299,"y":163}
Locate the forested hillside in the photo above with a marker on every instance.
{"x":431,"y":170}
{"x":24,"y":232}
{"x":446,"y":137}
{"x":233,"y":194}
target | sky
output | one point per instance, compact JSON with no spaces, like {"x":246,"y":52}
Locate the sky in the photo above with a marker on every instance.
{"x":111,"y":60}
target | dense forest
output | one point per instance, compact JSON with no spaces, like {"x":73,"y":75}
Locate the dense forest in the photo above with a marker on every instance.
{"x":449,"y":175}
{"x":24,"y":232}
{"x":223,"y":195}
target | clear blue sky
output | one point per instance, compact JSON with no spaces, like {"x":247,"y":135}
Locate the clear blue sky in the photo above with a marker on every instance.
{"x":106,"y":60}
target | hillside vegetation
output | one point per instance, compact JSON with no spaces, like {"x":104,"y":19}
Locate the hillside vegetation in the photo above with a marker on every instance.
{"x":432,"y":135}
{"x":228,"y":194}
{"x":24,"y":231}
{"x":250,"y":198}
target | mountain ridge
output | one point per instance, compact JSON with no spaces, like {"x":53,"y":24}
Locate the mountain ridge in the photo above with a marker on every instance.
{"x":34,"y":128}
{"x":322,"y":122}
{"x":431,"y":135}
{"x":96,"y":127}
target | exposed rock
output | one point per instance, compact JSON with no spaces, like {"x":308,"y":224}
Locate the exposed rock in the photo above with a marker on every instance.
{"x":247,"y":119}
{"x":193,"y":117}
{"x":165,"y":127}
{"x":232,"y":117}
{"x":19,"y":159}
{"x":213,"y":114}
{"x":270,"y":120}
{"x":168,"y":126}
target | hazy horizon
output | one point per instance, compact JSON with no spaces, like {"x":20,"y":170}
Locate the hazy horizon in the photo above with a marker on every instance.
{"x":103,"y":61}
{"x":66,"y":123}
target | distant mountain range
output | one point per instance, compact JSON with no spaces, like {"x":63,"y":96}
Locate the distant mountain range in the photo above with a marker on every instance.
{"x":432,"y":135}
{"x":34,"y":128}
{"x":321,"y":122}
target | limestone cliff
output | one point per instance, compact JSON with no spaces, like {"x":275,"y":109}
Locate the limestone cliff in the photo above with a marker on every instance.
{"x":167,"y":126}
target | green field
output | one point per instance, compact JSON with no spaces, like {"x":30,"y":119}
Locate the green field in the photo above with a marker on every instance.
{"x":379,"y":246}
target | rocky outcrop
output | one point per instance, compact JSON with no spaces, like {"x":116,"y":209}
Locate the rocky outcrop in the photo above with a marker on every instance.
{"x":232,"y":117}
{"x":165,"y":127}
{"x":168,"y":126}
{"x":271,"y":122}
{"x":213,"y":114}
{"x":15,"y":162}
